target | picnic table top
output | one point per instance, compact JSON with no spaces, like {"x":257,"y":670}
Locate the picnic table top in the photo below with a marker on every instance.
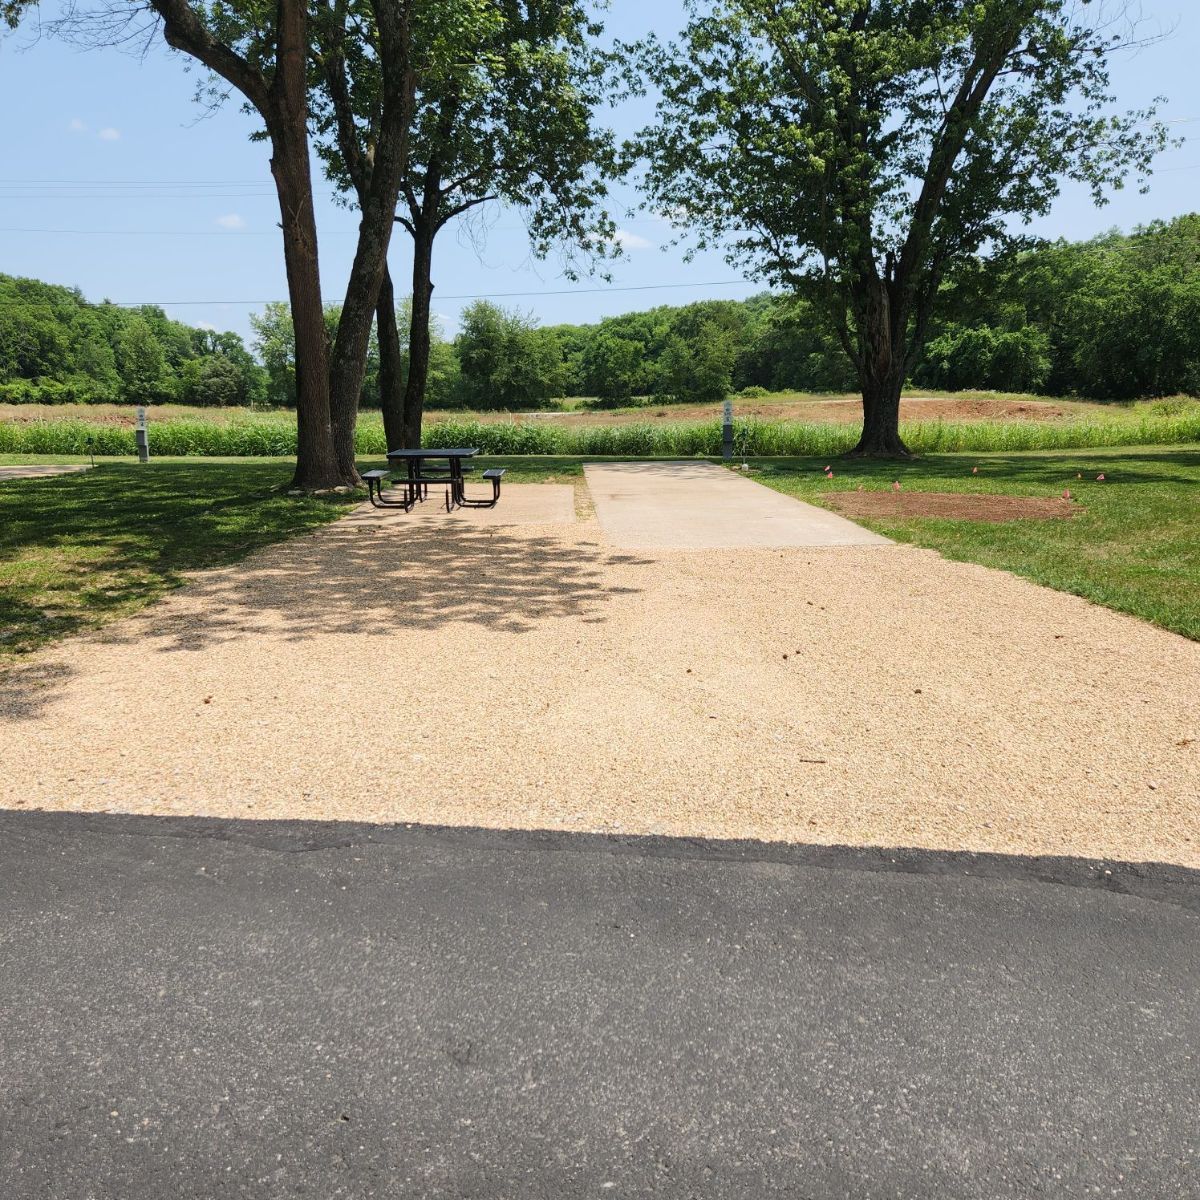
{"x":459,"y":452}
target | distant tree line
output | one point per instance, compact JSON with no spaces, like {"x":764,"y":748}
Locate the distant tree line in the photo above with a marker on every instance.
{"x":825,"y":149}
{"x":1113,"y":318}
{"x":55,"y":347}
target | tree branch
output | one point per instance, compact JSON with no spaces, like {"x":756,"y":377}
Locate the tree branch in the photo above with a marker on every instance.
{"x":183,"y":30}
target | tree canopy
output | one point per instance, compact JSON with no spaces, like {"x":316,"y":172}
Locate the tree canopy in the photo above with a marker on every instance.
{"x":855,"y":151}
{"x":503,"y":100}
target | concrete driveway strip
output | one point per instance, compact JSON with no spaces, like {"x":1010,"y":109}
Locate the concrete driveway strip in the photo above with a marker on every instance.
{"x":693,"y":505}
{"x":267,"y":1010}
{"x":41,"y":471}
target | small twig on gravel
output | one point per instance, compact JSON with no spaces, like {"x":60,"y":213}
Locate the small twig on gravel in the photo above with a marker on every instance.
{"x":811,"y":760}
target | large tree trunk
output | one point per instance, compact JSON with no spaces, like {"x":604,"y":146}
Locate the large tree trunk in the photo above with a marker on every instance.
{"x":348,"y":361}
{"x":377,"y":180}
{"x":881,"y":373}
{"x":317,"y":467}
{"x":881,"y":421}
{"x":418,"y":338}
{"x":391,"y":366}
{"x":283,"y":105}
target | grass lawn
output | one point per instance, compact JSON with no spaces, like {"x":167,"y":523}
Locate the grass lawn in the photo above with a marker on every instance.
{"x":79,"y":550}
{"x":1135,"y":546}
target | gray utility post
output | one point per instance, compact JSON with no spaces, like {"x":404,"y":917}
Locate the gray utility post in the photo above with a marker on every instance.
{"x":141,"y":435}
{"x":727,"y":431}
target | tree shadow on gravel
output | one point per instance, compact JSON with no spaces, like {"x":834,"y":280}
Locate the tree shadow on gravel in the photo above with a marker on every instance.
{"x":26,"y":688}
{"x":78,"y":550}
{"x":385,"y":579}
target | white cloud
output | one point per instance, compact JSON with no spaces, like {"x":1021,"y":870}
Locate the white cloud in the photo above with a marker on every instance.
{"x":75,"y":125}
{"x":231,"y":221}
{"x":630,"y":241}
{"x":109,"y":134}
{"x":206,"y":325}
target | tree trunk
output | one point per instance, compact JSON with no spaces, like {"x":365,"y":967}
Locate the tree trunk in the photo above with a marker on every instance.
{"x":391,"y":367}
{"x":378,"y":190}
{"x":418,"y":337}
{"x":881,"y":421}
{"x":283,"y":105}
{"x":348,"y":361}
{"x":881,"y":374}
{"x":317,"y":467}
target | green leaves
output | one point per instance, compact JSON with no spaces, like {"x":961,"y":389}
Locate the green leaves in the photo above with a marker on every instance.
{"x":11,"y":11}
{"x":56,"y":347}
{"x":868,"y":145}
{"x":504,"y":110}
{"x":505,"y":360}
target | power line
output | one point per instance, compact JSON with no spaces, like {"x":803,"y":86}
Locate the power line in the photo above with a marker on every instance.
{"x":645,"y":287}
{"x":133,"y":182}
{"x":73,"y":196}
{"x":221,"y":233}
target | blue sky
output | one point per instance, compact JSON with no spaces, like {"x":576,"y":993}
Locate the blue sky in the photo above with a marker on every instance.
{"x":175,"y":206}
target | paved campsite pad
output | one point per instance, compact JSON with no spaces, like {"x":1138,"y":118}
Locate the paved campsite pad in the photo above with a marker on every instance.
{"x":699,"y":506}
{"x":41,"y":470}
{"x":534,"y":676}
{"x":520,"y":504}
{"x":958,"y":506}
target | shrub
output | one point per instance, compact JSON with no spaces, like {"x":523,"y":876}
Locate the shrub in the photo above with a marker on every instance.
{"x":991,"y":359}
{"x":79,"y":390}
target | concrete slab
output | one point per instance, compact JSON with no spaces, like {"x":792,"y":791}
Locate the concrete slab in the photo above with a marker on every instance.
{"x":520,"y":504}
{"x":41,"y":470}
{"x":701,"y":506}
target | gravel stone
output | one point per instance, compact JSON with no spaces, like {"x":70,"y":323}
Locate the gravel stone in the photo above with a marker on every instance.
{"x":532,"y":676}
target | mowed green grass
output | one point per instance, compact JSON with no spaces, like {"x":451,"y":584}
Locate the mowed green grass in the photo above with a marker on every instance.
{"x":1134,"y":544}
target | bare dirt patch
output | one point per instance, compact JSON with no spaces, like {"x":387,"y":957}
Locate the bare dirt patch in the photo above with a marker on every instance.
{"x":809,"y":409}
{"x":956,"y":506}
{"x":841,"y":410}
{"x":116,"y":414}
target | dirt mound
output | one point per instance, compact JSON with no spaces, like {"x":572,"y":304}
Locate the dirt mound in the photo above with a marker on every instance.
{"x":842,"y":410}
{"x":957,"y":506}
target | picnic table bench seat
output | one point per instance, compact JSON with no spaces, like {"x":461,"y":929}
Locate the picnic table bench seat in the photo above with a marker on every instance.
{"x":409,"y":486}
{"x":414,"y":485}
{"x":375,"y":481}
{"x":493,"y":476}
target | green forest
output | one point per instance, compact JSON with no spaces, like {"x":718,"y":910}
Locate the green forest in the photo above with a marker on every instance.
{"x":1113,"y":318}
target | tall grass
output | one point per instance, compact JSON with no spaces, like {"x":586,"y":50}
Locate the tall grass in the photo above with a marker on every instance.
{"x":271,"y":436}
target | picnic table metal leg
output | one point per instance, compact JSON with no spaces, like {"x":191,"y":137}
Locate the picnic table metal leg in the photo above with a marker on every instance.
{"x":375,"y":493}
{"x":414,"y":490}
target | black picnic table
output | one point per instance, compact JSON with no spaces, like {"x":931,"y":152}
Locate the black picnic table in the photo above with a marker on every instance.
{"x":418,"y":477}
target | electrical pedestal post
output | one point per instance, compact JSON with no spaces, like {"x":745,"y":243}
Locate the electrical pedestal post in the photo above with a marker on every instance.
{"x":141,"y":435}
{"x":727,"y":431}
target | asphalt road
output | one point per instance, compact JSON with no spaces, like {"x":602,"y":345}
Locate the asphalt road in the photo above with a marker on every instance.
{"x":192,"y":1009}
